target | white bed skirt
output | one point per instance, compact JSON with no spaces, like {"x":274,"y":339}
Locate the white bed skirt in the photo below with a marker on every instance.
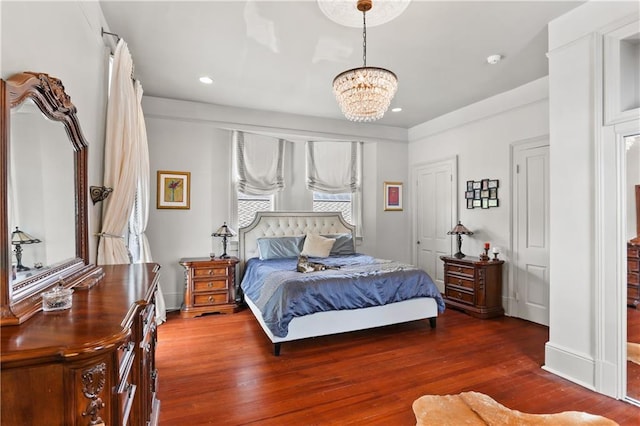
{"x":333,"y":322}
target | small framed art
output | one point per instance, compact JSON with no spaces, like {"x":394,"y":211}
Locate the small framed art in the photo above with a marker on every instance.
{"x":393,"y":196}
{"x":174,"y":190}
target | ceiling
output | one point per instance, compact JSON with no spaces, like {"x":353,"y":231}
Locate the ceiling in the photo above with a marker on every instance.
{"x":283,"y":55}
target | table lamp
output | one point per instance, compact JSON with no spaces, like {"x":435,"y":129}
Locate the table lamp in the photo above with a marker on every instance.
{"x":459,"y":230}
{"x":18,"y":238}
{"x":225,"y":232}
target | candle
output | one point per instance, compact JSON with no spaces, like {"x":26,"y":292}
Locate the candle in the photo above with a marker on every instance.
{"x":486,"y":246}
{"x":496,"y":250}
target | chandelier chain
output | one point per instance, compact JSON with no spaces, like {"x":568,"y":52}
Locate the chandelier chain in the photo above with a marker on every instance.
{"x":364,"y":37}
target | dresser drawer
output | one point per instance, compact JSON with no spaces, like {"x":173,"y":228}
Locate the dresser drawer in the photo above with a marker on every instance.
{"x":633,"y":265}
{"x":460,"y":296}
{"x":633,"y":251}
{"x":210,"y":299}
{"x":633,"y":292}
{"x":460,"y":281}
{"x":633,"y":278}
{"x":211,"y":284}
{"x":210,"y":272}
{"x":452,"y":268}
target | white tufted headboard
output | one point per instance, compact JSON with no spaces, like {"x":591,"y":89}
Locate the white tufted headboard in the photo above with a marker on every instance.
{"x":280,"y":224}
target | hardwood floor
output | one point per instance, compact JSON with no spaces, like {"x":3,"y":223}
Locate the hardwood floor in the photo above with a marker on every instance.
{"x":219,"y":369}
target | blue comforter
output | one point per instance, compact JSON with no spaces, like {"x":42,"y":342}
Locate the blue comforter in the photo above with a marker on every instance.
{"x":281,"y":293}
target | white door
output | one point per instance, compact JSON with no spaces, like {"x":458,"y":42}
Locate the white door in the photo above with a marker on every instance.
{"x":531,"y":233}
{"x":435,"y":214}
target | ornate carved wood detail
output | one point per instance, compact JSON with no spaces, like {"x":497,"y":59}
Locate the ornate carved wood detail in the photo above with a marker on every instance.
{"x":93,"y":380}
{"x":481,"y":279}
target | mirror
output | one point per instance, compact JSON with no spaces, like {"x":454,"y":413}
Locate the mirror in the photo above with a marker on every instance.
{"x":43,"y":155}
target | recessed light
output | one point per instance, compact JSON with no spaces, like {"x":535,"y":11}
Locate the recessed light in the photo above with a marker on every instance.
{"x":206,"y":80}
{"x":494,"y":59}
{"x":396,"y":109}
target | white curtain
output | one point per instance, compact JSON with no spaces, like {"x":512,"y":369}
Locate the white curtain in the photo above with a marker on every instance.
{"x":121,"y":159}
{"x":332,"y":167}
{"x":127,"y":172}
{"x":259,"y":163}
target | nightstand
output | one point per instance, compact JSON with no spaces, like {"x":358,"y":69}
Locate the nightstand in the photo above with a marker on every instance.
{"x":473,"y":286}
{"x":209,"y":285}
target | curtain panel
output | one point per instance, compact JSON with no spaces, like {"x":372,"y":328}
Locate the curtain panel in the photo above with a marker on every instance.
{"x":121,"y":160}
{"x":259,"y":163}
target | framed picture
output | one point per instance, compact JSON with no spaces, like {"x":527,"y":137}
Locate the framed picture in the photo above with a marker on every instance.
{"x":485,"y":183}
{"x":485,"y":203}
{"x":469,"y":185}
{"x":468,"y":194}
{"x":173,"y":190}
{"x":484,"y":193}
{"x":393,"y":196}
{"x":476,"y":194}
{"x":477,"y":203}
{"x":492,"y":203}
{"x":470,"y":203}
{"x":493,"y":183}
{"x":493,"y":193}
{"x":477,"y":184}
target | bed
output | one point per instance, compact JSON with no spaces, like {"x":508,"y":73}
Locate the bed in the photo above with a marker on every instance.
{"x":389,"y":307}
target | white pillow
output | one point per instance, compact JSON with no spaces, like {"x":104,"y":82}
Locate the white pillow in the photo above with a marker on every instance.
{"x":317,"y":246}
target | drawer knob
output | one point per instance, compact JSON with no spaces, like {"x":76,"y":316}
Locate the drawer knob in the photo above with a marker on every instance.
{"x":210,"y":272}
{"x":210,"y":298}
{"x":210,"y":285}
{"x":459,"y":269}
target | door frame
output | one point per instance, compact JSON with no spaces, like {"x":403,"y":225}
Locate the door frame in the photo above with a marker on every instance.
{"x":538,"y":141}
{"x":453,"y":161}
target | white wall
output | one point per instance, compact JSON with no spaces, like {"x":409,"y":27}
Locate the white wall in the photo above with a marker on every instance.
{"x":196,"y":137}
{"x":63,"y":39}
{"x":481,"y":135}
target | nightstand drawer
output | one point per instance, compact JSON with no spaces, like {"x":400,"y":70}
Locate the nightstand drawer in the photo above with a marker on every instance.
{"x":459,"y":269}
{"x":212,"y":284}
{"x":210,"y":299}
{"x":209,"y":272}
{"x":460,"y":281}
{"x":460,"y":296}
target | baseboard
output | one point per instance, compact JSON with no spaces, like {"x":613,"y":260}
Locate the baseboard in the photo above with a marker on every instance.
{"x":569,"y":365}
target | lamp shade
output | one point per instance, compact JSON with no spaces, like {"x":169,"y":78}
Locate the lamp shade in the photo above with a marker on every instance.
{"x":459,"y":229}
{"x":224,"y":231}
{"x":21,"y":237}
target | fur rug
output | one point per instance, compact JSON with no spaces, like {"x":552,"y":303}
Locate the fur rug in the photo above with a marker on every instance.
{"x":473,"y":408}
{"x":633,"y":352}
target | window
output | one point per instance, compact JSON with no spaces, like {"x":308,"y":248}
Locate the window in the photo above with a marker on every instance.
{"x":249,"y":205}
{"x":323,"y":202}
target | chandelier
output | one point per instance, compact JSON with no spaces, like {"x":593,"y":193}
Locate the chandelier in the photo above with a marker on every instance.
{"x":365,"y":93}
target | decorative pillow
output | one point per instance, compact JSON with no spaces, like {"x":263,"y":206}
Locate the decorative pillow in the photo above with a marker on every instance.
{"x":279,"y":247}
{"x":343,"y":245}
{"x":317,"y":246}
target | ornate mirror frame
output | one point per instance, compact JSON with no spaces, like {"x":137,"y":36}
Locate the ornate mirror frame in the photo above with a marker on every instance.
{"x":22,"y":300}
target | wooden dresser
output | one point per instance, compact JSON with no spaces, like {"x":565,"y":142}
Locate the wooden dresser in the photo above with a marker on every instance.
{"x":209,"y":285}
{"x":473,"y":286}
{"x":633,"y":274}
{"x":93,"y":364}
